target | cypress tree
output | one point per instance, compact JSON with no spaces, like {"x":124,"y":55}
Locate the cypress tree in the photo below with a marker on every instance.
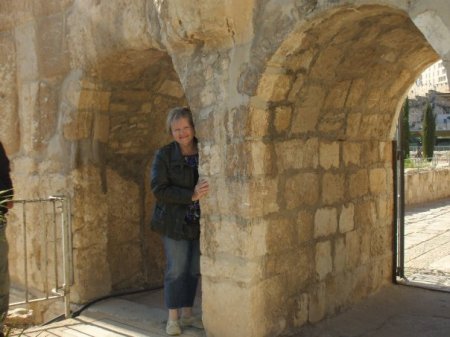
{"x":428,"y":132}
{"x":405,"y":128}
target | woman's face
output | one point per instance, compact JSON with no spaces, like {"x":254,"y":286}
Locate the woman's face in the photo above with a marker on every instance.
{"x":182,"y":131}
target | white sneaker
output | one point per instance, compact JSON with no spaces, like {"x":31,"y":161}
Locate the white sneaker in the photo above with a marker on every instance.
{"x":173,"y":328}
{"x":193,"y":321}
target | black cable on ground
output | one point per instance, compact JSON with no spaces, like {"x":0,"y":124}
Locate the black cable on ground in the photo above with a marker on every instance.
{"x":87,"y":305}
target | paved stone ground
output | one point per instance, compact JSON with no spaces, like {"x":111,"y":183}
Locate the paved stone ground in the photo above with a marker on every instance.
{"x":395,"y":311}
{"x":138,"y":315}
{"x":427,"y":244}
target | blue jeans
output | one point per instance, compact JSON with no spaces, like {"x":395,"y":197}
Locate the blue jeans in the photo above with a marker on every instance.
{"x":4,"y":275}
{"x":182,"y":272}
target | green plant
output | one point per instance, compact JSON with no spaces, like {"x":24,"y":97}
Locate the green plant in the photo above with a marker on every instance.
{"x":408,"y":163}
{"x":428,"y":132}
{"x":5,"y":198}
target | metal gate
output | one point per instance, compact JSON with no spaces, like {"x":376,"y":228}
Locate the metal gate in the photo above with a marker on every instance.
{"x":399,"y":206}
{"x":44,"y":229}
{"x":399,"y":202}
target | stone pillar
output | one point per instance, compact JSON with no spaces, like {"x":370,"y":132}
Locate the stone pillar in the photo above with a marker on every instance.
{"x":234,"y":242}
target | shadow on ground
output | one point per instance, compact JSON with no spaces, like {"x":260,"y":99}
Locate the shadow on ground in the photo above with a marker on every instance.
{"x":395,"y":311}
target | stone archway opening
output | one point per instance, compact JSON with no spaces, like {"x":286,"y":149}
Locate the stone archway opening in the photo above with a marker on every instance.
{"x":333,"y":91}
{"x":424,"y":189}
{"x":122,"y":103}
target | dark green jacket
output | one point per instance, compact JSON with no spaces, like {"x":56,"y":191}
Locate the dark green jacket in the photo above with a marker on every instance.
{"x":172,"y":182}
{"x":6,"y":187}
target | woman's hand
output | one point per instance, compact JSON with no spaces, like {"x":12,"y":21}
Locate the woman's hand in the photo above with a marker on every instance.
{"x":200,"y":190}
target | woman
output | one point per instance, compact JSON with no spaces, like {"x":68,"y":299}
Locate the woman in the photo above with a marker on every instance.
{"x":175,"y":184}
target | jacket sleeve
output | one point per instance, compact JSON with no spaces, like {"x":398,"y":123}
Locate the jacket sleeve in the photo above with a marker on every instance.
{"x":6,"y":186}
{"x":162,"y":188}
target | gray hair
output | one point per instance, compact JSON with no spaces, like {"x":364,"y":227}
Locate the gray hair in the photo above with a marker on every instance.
{"x":177,"y":113}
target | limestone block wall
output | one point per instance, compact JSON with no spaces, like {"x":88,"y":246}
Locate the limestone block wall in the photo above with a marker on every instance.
{"x":295,"y":106}
{"x":31,"y":87}
{"x":84,"y":114}
{"x":426,"y":185}
{"x":303,"y":227}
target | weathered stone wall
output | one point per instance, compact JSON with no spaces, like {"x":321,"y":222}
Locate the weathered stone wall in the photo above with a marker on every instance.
{"x":117,"y":119}
{"x":32,"y":78}
{"x":86,"y":127}
{"x":295,"y":106}
{"x":316,"y":191}
{"x":426,"y":185}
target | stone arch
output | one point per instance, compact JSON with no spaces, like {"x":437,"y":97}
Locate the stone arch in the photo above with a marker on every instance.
{"x":330,"y":95}
{"x":88,"y":87}
{"x":114,"y":115}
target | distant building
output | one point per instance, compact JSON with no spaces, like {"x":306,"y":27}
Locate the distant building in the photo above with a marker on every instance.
{"x":440,"y":102}
{"x":433,"y":78}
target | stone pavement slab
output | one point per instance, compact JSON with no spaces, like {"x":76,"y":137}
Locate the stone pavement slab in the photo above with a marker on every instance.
{"x":427,"y":244}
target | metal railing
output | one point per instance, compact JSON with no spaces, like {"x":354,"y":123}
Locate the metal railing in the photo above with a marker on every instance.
{"x":437,"y":148}
{"x":439,"y":160}
{"x":51,"y":240}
